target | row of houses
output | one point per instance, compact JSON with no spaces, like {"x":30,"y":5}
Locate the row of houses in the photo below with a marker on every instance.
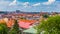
{"x":26,"y":17}
{"x":30,"y":16}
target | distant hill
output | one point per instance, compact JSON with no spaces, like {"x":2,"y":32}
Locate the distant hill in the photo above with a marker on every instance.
{"x":3,"y":12}
{"x":18,"y":11}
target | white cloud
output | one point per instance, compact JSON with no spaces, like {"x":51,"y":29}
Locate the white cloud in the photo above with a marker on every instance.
{"x":49,"y":2}
{"x":13,"y":3}
{"x":25,"y":4}
{"x":37,"y":4}
{"x":4,"y":4}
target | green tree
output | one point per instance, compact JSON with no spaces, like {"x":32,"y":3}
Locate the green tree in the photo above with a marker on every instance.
{"x":51,"y":26}
{"x":45,"y":15}
{"x":3,"y":29}
{"x":15,"y":28}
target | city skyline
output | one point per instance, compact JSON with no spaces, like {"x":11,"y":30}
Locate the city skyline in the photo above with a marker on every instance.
{"x":30,"y":5}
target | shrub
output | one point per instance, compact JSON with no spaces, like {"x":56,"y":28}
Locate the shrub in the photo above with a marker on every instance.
{"x":3,"y":28}
{"x":45,"y":15}
{"x":51,"y":26}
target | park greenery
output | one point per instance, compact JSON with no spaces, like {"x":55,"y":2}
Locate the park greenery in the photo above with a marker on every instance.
{"x":45,"y":16}
{"x":50,"y":26}
{"x":13,"y":30}
{"x":3,"y":28}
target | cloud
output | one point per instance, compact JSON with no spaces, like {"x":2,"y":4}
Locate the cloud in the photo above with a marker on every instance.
{"x":25,"y":4}
{"x":49,"y":2}
{"x":37,"y":4}
{"x":4,"y":4}
{"x":13,"y":3}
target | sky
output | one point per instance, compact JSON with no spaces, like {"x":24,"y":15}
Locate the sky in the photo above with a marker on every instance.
{"x":30,"y":5}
